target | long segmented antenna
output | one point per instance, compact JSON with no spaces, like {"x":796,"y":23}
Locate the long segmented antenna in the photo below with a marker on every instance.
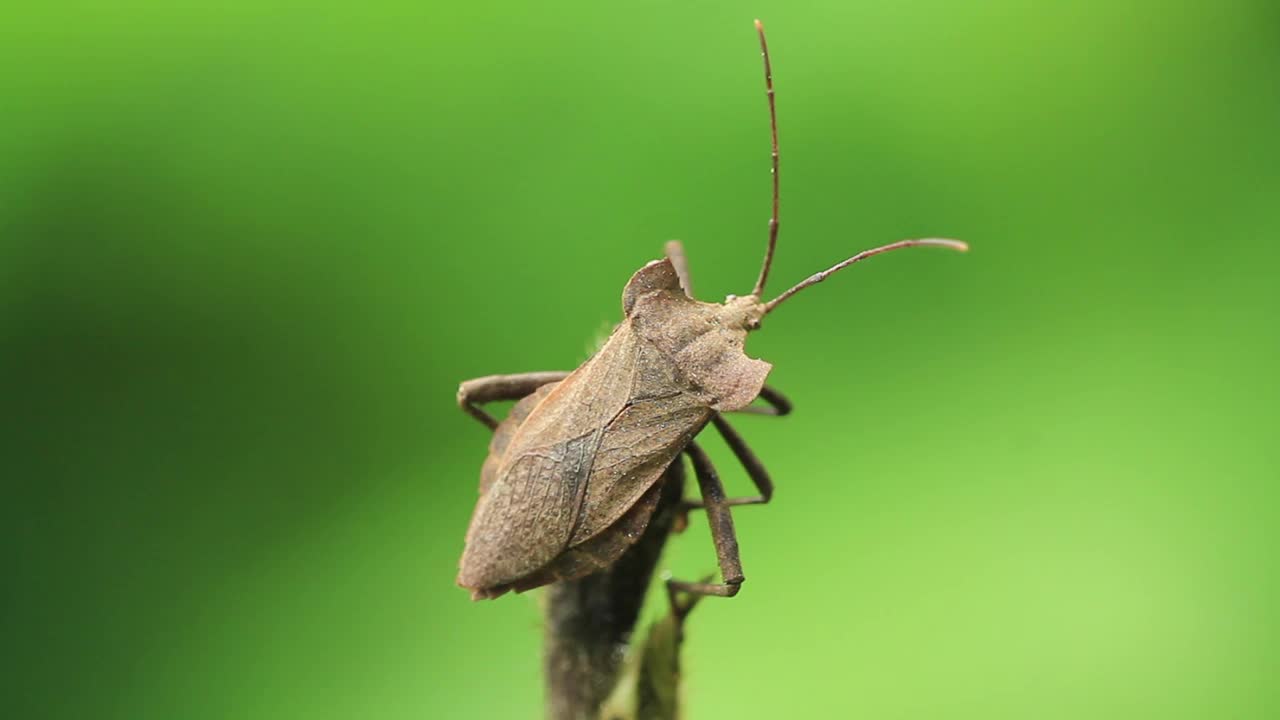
{"x":773,"y":220}
{"x":773,"y":134}
{"x":816,"y":278}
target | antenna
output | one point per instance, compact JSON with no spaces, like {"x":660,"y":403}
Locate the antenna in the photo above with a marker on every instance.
{"x":819,"y":277}
{"x":773,"y":135}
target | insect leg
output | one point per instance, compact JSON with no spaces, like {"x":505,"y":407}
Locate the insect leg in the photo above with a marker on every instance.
{"x":680,"y":606}
{"x":755,"y":470}
{"x":778,"y":404}
{"x":474,"y":393}
{"x":726,"y":541}
{"x":675,"y":253}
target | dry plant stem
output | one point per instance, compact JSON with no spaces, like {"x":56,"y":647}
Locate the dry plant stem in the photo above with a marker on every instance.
{"x":589,"y":621}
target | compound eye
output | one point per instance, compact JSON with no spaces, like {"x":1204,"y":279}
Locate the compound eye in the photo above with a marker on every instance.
{"x":753,"y":324}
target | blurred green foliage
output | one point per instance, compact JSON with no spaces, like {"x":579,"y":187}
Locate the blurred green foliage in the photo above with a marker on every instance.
{"x":248,"y":250}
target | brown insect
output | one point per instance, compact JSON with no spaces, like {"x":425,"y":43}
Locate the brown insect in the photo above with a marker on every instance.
{"x":574,"y":471}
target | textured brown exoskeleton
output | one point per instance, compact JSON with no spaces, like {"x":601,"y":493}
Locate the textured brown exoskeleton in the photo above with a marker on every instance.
{"x":574,"y":471}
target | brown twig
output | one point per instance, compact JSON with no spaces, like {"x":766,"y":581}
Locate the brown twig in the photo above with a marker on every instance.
{"x":589,"y":621}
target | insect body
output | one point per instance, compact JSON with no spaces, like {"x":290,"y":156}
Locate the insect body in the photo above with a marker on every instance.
{"x":574,"y":472}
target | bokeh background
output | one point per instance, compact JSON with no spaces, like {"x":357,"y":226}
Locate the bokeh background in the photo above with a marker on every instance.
{"x":248,"y":250}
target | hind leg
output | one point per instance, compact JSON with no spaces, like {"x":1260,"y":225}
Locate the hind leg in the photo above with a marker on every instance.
{"x":492,"y":388}
{"x":722,"y":532}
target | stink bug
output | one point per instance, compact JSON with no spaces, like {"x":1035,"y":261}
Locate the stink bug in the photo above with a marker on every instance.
{"x":575,"y":470}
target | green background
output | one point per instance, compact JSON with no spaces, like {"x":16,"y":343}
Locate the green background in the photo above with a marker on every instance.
{"x":247,"y":252}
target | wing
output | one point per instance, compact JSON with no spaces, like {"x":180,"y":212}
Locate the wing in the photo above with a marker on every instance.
{"x":530,"y":501}
{"x":525,"y":518}
{"x":505,"y":431}
{"x":638,"y":444}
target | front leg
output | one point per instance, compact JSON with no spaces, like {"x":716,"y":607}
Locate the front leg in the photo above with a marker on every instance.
{"x":492,"y":388}
{"x":778,"y":406}
{"x":755,"y":469}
